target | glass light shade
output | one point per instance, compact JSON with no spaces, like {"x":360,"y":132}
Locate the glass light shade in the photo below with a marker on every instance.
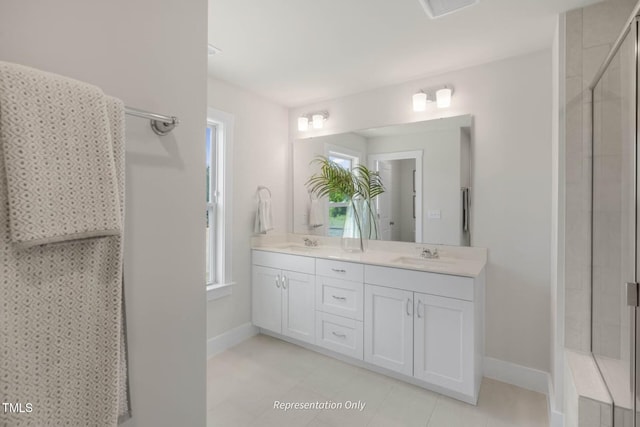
{"x":318,"y":121}
{"x":419,"y":101}
{"x":303,"y":124}
{"x":443,"y":97}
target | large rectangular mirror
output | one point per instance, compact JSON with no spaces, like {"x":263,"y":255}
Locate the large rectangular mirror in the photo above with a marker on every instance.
{"x":424,"y":167}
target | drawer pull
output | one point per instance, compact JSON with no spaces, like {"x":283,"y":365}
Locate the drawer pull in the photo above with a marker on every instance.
{"x":409,"y":307}
{"x":340,"y":298}
{"x":277,"y":281}
{"x":339,"y":270}
{"x":338,"y":335}
{"x":418,"y":310}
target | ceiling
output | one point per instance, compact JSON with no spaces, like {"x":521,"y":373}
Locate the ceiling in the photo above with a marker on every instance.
{"x":296,"y":52}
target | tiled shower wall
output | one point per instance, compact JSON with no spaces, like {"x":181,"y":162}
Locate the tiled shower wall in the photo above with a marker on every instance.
{"x":590,"y":33}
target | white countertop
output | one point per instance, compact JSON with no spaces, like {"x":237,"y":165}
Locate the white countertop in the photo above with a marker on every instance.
{"x":467,"y":262}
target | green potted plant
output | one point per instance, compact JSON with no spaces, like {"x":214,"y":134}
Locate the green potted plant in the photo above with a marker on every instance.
{"x":359,"y":186}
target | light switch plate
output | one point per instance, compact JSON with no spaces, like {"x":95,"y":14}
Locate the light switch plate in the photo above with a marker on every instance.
{"x":433,"y":214}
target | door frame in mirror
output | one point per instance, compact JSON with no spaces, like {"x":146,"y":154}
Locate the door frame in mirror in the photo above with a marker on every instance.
{"x":406,"y":155}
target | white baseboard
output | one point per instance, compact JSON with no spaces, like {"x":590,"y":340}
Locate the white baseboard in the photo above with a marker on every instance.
{"x":220,"y":343}
{"x":556,"y":418}
{"x":528,"y":378}
{"x":518,"y":375}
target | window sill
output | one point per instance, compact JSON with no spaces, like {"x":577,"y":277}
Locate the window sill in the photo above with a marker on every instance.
{"x":218,"y":291}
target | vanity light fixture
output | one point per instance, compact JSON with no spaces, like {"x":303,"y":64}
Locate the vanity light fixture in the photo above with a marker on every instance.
{"x":303,"y":123}
{"x":420,"y":100}
{"x":443,"y":97}
{"x":317,"y":120}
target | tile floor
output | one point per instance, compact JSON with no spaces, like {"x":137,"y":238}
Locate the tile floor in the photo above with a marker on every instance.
{"x":244,"y":381}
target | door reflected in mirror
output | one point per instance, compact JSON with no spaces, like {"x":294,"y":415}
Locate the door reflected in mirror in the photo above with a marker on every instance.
{"x":395,"y":208}
{"x":424,"y":167}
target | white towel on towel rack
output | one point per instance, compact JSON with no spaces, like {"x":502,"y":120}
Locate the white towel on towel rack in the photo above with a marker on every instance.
{"x":316,"y":218}
{"x":61,"y":238}
{"x":264,"y":216}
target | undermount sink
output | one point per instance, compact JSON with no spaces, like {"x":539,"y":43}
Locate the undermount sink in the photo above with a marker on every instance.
{"x":300,"y":248}
{"x":423,"y":262}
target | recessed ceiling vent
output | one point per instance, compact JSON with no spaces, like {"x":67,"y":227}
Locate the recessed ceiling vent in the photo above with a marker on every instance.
{"x":438,"y":8}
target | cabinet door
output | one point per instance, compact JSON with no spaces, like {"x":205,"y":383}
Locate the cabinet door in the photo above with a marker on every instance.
{"x":444,"y":348}
{"x":298,"y":306}
{"x":388,"y":328}
{"x":266,"y":298}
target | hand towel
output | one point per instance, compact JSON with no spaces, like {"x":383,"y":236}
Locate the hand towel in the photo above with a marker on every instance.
{"x":264,"y":216}
{"x":350,"y":229}
{"x":316,"y":217}
{"x":61,"y":321}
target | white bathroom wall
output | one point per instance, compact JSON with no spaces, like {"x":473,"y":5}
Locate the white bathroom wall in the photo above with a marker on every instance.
{"x":440,"y":179}
{"x":153,"y":56}
{"x":511,"y":206}
{"x":260,"y":157}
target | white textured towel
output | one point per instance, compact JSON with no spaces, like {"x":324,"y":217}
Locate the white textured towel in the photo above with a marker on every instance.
{"x":264,"y":217}
{"x":58,"y":157}
{"x":316,"y":217}
{"x":62,"y":347}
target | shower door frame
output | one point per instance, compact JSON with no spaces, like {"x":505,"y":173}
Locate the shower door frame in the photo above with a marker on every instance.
{"x":632,"y":290}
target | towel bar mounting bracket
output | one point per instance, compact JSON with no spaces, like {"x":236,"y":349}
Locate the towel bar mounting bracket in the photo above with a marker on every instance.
{"x":162,"y":128}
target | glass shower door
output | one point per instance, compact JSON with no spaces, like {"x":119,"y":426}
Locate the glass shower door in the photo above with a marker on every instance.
{"x":614,"y":217}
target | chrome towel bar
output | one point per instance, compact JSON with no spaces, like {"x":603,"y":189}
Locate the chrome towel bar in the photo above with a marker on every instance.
{"x":160,"y":123}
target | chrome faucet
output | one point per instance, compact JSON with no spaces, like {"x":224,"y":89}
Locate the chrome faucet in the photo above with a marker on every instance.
{"x":429,"y":254}
{"x":310,"y":243}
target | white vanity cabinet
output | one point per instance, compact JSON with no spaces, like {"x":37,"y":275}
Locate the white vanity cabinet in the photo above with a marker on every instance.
{"x":266,"y":298}
{"x":283,"y":294}
{"x":426,"y":325}
{"x":422,"y":327}
{"x":443,"y":352}
{"x":340,"y":306}
{"x":389,"y":328}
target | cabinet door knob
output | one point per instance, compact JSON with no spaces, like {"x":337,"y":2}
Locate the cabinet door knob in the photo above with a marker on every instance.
{"x":278,"y":281}
{"x":409,"y":306}
{"x":285,"y":282}
{"x":418,"y":309}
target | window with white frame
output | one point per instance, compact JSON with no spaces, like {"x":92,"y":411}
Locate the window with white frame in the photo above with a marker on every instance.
{"x":338,"y":202}
{"x":212,"y":196}
{"x":219,"y":137}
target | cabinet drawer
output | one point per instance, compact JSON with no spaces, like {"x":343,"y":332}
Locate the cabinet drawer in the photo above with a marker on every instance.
{"x":339,"y":334}
{"x":418,"y":281}
{"x":301,"y":264}
{"x":340,"y":270}
{"x":340,"y":297}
